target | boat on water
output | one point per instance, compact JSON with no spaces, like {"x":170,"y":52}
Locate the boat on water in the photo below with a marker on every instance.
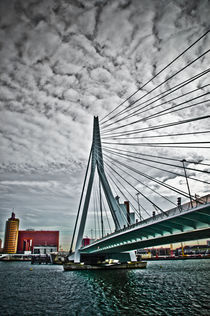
{"x":71,"y":266}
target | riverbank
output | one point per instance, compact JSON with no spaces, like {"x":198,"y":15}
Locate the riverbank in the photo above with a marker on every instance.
{"x":177,"y":258}
{"x":42,"y":259}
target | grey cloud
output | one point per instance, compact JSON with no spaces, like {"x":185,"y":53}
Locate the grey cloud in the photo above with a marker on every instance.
{"x":63,"y":62}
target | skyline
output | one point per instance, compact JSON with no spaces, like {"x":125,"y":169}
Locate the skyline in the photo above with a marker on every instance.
{"x":61,"y":64}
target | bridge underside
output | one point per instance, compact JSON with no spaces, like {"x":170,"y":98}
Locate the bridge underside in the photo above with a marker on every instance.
{"x":193,"y":235}
{"x":190,"y":225}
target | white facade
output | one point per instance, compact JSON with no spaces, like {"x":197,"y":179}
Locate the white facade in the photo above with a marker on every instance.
{"x":42,"y":250}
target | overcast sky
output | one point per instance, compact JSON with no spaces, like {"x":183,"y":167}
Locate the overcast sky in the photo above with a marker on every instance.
{"x":61,"y":63}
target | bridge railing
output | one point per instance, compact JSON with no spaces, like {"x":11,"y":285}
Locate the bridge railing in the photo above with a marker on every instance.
{"x":183,"y":207}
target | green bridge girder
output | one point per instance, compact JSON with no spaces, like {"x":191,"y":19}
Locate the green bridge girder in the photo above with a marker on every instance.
{"x":187,"y":225}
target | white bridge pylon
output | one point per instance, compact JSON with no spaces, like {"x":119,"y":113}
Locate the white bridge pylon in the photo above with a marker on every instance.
{"x":96,"y":157}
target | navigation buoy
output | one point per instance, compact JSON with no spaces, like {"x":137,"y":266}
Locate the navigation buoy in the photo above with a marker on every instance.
{"x":31,"y":269}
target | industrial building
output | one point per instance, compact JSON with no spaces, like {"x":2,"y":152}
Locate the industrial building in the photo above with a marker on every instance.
{"x":11,"y":234}
{"x":28,"y":241}
{"x":38,"y":242}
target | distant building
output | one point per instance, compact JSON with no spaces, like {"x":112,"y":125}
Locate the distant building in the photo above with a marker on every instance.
{"x":38,"y":242}
{"x":86,"y":241}
{"x":11,"y":234}
{"x":126,"y":214}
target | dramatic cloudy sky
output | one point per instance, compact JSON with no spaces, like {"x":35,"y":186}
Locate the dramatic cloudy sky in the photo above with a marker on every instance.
{"x":61,"y":63}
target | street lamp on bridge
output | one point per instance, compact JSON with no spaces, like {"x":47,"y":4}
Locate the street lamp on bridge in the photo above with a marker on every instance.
{"x":137,"y":194}
{"x":188,"y":187}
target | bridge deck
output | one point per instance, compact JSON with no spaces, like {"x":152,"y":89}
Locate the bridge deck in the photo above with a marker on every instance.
{"x":178,"y":224}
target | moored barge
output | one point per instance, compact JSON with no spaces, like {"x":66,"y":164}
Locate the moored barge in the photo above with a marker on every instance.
{"x":70,"y":266}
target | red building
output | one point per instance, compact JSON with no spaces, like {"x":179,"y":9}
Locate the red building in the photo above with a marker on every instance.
{"x":85,"y":241}
{"x":38,"y":241}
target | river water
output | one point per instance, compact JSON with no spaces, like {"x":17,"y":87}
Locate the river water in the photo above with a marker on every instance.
{"x":164,"y":288}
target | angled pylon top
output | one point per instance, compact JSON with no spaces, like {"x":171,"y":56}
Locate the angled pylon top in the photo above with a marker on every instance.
{"x":96,"y":145}
{"x":97,"y":161}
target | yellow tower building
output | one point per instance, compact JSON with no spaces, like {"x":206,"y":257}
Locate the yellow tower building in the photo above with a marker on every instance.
{"x":11,"y":234}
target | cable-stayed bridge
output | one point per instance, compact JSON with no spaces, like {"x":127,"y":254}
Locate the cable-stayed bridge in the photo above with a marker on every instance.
{"x":152,"y":151}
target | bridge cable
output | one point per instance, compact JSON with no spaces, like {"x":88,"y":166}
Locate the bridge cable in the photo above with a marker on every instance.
{"x":156,"y":136}
{"x":152,"y":178}
{"x":155,"y":192}
{"x":157,"y":74}
{"x":166,"y":125}
{"x":94,"y":213}
{"x":100,"y":203}
{"x":148,"y":187}
{"x":80,"y":202}
{"x":163,"y":163}
{"x":107,"y":216}
{"x":104,"y":207}
{"x":120,"y":210}
{"x":165,"y":145}
{"x":185,"y":194}
{"x":150,"y":91}
{"x":159,"y":96}
{"x":137,"y":190}
{"x":97,"y":210}
{"x":159,"y":157}
{"x":123,"y":194}
{"x":162,"y":95}
{"x":124,"y":188}
{"x":175,"y":173}
{"x":166,"y":111}
{"x":117,"y":180}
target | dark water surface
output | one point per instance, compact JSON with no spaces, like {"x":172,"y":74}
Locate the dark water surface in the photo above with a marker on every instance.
{"x":164,"y":288}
